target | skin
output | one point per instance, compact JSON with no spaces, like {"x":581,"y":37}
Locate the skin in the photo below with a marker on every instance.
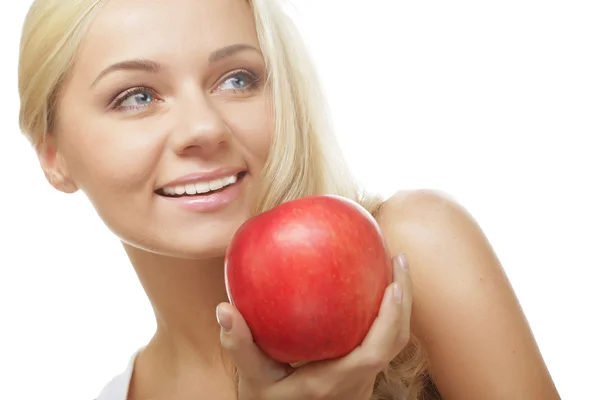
{"x":201,"y":115}
{"x":465,"y":312}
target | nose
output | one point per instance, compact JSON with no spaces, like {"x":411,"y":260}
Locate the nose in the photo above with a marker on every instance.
{"x":199,"y":128}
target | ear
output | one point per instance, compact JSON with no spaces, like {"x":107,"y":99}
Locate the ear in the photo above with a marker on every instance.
{"x":54,"y":166}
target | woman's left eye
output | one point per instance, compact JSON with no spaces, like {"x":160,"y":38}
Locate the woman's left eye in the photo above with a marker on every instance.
{"x":240,"y":81}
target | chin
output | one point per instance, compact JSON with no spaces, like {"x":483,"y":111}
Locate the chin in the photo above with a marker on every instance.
{"x":180,"y":235}
{"x":200,"y":253}
{"x":182,"y":252}
{"x":183,"y":246}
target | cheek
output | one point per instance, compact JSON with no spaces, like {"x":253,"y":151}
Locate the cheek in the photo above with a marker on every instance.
{"x":254,"y":129}
{"x":257,"y":141}
{"x":106,"y":161}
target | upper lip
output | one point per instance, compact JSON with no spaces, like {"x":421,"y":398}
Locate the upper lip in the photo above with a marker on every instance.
{"x":204,"y":176}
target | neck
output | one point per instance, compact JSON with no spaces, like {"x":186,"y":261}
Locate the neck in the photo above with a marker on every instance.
{"x":184,"y":295}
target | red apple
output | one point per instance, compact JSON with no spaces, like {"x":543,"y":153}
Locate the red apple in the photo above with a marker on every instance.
{"x":308,"y":277}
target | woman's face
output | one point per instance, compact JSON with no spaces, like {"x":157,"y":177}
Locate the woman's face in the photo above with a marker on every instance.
{"x":165,"y":122}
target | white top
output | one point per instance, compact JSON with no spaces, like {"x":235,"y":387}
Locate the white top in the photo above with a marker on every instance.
{"x":118,"y":387}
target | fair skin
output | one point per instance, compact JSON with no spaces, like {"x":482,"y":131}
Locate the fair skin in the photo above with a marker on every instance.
{"x":203,"y":109}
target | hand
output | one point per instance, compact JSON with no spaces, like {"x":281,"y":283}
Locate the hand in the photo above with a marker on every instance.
{"x":348,"y":377}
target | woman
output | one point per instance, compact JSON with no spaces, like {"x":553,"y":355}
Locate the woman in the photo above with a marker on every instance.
{"x":179,"y":120}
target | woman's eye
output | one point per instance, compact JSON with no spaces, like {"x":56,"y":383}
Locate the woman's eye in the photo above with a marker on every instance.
{"x":139,"y":99}
{"x":239,"y":82}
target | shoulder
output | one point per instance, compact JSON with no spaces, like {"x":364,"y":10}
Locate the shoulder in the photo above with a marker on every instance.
{"x":465,"y":312}
{"x":452,"y":263}
{"x":432,"y":208}
{"x":422,"y":220}
{"x":451,"y":260}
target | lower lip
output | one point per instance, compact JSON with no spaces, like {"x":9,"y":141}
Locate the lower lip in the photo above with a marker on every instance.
{"x":208,"y":202}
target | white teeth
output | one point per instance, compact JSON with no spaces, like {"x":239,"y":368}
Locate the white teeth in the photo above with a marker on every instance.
{"x":190,"y":188}
{"x":216,"y":184}
{"x":200,"y":187}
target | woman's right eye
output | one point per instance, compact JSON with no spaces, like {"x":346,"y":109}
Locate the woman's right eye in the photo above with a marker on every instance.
{"x":135,"y":98}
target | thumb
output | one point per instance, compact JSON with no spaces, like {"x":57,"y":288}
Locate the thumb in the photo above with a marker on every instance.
{"x":253,"y":364}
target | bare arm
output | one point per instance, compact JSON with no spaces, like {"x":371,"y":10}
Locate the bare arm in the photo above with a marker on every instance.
{"x":465,"y":312}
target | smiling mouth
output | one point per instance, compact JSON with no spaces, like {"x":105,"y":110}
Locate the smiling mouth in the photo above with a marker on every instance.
{"x":201,"y":188}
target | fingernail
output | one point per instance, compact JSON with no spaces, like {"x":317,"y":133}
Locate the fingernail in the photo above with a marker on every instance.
{"x":397,"y":292}
{"x":224,"y":320}
{"x":402,"y":260}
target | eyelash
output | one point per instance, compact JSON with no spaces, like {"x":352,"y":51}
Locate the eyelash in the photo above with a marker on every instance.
{"x":127,"y":94}
{"x":253,"y":80}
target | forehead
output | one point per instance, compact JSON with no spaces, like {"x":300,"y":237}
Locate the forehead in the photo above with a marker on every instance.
{"x":165,"y":30}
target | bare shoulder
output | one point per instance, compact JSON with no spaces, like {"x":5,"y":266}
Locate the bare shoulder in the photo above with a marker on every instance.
{"x":420,"y":221}
{"x":432,"y":208}
{"x":429,"y":225}
{"x":465,"y":311}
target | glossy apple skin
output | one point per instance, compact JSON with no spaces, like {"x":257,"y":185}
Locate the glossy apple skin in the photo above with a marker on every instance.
{"x":308,"y":277}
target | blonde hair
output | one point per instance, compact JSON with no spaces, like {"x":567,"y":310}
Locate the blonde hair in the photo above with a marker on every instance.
{"x":304,"y":159}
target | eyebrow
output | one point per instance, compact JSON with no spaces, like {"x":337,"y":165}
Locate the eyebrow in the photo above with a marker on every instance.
{"x":142,"y":64}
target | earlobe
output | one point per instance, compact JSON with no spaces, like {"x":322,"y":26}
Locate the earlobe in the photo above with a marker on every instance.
{"x":54,"y":166}
{"x":60,"y":181}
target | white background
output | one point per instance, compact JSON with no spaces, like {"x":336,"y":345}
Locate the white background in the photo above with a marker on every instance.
{"x":496,"y":103}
